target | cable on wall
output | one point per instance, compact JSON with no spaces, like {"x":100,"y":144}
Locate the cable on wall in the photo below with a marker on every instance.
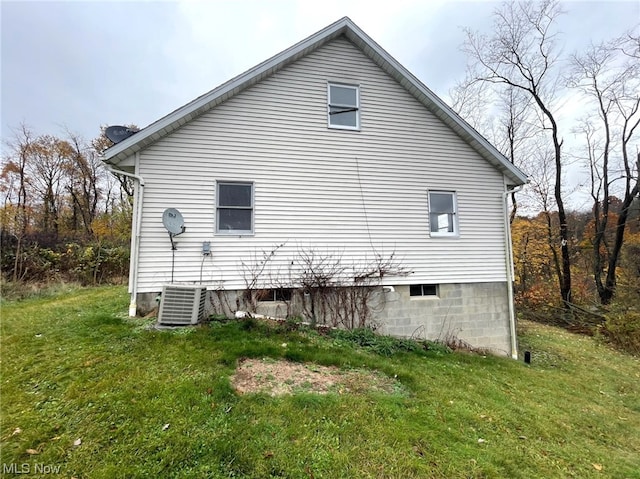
{"x":364,"y":209}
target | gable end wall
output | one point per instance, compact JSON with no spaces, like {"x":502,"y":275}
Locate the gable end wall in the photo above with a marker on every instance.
{"x":313,"y":184}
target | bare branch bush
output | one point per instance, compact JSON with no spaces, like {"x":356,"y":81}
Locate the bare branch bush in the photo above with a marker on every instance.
{"x":253,"y":273}
{"x":326,"y":289}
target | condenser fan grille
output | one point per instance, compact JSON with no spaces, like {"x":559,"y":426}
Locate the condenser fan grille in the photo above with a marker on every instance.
{"x":182,"y":305}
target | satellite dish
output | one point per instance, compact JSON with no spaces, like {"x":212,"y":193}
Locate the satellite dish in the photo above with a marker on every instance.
{"x":118,"y":133}
{"x":173,"y":221}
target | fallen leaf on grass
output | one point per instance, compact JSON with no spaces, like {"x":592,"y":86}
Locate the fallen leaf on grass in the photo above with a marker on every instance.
{"x":77,"y":442}
{"x":597,"y":467}
{"x":16,"y":431}
{"x":32,"y":451}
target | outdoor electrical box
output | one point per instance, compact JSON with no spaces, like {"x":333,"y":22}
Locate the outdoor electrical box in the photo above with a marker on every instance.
{"x":206,"y":248}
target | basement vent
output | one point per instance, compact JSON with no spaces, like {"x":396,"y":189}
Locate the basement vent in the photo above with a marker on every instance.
{"x":182,"y":305}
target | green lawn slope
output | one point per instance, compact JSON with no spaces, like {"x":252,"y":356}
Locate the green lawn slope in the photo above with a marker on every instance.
{"x":95,"y":394}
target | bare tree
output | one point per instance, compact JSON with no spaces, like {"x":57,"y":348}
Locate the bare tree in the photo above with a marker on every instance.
{"x":543,"y":194}
{"x":86,"y":174}
{"x":46,"y":168}
{"x":502,"y":116}
{"x":14,"y":175}
{"x":609,"y":75}
{"x":521,"y":53}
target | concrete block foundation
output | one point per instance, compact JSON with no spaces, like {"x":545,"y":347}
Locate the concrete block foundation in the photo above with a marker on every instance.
{"x":476,"y":314}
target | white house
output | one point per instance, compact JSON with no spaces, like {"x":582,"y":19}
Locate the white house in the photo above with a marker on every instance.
{"x":329,"y":152}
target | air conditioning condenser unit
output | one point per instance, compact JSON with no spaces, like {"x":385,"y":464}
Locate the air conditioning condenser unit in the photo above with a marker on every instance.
{"x":182,"y":304}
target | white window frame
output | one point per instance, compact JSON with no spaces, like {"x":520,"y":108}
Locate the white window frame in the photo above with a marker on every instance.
{"x":422,"y":294}
{"x":219,"y":207}
{"x":356,"y":106}
{"x":451,"y":234}
{"x":275,"y":295}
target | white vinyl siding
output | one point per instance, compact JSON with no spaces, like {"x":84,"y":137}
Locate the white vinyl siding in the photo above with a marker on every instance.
{"x":313,"y":184}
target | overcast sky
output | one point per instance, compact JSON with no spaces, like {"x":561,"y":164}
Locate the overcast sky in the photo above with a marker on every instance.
{"x":80,"y":64}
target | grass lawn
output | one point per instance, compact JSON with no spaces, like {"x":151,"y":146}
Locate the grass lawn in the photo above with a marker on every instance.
{"x":90,"y":393}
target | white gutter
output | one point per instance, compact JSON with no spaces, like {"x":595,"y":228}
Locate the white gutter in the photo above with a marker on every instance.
{"x":135,"y":237}
{"x":509,"y":264}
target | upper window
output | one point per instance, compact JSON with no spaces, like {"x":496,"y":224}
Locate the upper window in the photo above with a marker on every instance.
{"x":442,"y":213}
{"x":234,"y":208}
{"x":344,"y":106}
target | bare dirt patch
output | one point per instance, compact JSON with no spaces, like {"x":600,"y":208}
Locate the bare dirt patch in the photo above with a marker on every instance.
{"x":277,"y":378}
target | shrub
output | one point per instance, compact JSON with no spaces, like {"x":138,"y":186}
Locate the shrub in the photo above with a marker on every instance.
{"x":623,"y":330}
{"x":383,"y":345}
{"x":96,"y":263}
{"x":621,"y":326}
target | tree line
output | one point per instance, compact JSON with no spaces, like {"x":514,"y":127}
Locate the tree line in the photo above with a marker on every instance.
{"x":518,"y":88}
{"x":521,"y":91}
{"x":63,"y":216}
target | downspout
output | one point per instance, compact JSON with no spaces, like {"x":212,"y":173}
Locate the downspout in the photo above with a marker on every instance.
{"x":135,"y":239}
{"x":509,"y":264}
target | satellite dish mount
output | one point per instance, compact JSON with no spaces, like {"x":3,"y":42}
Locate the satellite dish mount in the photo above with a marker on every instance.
{"x":174,"y":223}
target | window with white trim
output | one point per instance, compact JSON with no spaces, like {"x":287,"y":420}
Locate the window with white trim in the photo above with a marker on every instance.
{"x":423,"y":290}
{"x":234,"y":207}
{"x":278,"y":294}
{"x":343,"y":106}
{"x":443,"y":219}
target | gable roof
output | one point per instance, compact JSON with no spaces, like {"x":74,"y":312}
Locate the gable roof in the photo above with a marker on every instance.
{"x":370,"y":48}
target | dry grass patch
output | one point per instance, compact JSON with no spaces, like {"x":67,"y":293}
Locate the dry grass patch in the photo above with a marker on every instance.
{"x":277,"y":378}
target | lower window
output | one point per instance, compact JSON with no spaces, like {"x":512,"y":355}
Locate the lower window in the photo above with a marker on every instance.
{"x":423,"y":290}
{"x":280,"y":294}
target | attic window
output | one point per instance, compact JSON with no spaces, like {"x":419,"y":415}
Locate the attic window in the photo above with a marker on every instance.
{"x":343,"y":107}
{"x":234,"y":208}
